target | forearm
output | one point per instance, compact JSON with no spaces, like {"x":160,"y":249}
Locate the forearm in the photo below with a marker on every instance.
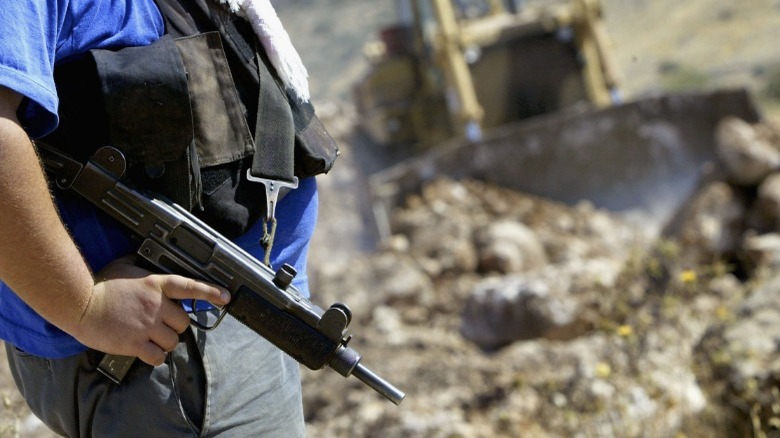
{"x":38,"y":258}
{"x":128,"y":311}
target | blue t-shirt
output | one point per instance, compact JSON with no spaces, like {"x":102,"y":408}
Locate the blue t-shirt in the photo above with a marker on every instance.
{"x":34,"y":36}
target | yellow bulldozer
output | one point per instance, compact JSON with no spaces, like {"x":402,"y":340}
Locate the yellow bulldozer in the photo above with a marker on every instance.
{"x":458,"y":67}
{"x":526,"y":94}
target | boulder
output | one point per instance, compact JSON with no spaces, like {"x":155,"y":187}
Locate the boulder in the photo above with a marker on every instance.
{"x":764,"y":215}
{"x":508,"y":246}
{"x":712,"y":223}
{"x":746,"y":154}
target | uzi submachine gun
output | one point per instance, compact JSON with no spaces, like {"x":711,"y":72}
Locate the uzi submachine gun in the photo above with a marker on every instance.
{"x":175,"y":241}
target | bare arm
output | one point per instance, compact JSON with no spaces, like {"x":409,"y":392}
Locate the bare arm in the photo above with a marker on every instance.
{"x":126,"y":311}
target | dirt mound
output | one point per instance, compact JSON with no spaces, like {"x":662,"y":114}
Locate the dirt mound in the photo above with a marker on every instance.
{"x":503,"y":314}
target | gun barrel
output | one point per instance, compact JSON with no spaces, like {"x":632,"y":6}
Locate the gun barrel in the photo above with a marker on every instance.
{"x":378,"y":384}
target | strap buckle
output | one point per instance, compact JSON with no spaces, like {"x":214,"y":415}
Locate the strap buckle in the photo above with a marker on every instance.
{"x":272,"y":189}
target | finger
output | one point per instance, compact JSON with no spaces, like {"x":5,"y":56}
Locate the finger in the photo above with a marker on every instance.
{"x":182,"y":288}
{"x":174,"y":316}
{"x":152,"y":354}
{"x":124,"y":267}
{"x":165,"y":338}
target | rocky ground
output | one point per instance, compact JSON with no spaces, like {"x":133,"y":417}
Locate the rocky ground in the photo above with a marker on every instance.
{"x":503,"y":314}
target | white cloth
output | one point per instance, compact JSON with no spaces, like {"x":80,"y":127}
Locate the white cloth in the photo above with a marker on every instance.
{"x":277,"y":44}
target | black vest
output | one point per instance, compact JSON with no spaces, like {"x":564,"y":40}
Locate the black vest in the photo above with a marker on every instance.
{"x":192,"y":112}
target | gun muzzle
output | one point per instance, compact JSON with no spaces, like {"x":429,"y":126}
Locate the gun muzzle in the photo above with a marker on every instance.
{"x":379,"y":384}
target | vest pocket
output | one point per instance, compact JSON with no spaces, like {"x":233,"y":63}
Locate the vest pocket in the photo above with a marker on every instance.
{"x":221,"y":132}
{"x":147,"y":101}
{"x":146,"y":98}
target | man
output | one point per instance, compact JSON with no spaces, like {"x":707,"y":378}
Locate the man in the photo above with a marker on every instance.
{"x":70,"y":292}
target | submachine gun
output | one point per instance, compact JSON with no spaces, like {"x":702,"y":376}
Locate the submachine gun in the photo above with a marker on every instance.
{"x":175,"y":241}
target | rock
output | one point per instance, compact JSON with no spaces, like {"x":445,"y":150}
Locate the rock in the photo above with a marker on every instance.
{"x":400,"y":281}
{"x":762,"y":253}
{"x":741,"y":359}
{"x":502,"y":310}
{"x":764,"y":216}
{"x":744,"y":153}
{"x":712,"y":223}
{"x":757,"y":357}
{"x":508,"y":246}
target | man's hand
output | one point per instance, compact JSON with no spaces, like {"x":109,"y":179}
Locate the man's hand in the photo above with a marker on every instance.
{"x":126,"y":311}
{"x":133,"y":312}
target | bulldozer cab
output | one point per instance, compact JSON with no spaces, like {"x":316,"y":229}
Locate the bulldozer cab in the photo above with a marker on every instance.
{"x":452,"y":68}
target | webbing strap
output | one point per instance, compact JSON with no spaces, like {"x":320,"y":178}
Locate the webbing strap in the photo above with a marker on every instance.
{"x":274,"y":131}
{"x":274,"y":126}
{"x":273,"y":162}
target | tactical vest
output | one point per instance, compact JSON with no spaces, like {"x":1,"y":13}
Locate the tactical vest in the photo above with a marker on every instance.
{"x":193,"y":113}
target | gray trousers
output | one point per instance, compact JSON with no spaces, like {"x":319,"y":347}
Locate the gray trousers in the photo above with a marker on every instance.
{"x":228,"y":382}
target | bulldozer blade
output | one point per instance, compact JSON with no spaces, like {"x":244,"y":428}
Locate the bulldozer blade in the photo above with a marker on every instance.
{"x":646,"y":156}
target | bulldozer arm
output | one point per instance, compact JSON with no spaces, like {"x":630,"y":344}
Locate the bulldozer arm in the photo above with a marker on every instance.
{"x":646,"y":156}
